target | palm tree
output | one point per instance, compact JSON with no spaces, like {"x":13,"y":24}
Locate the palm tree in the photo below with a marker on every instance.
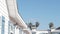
{"x":51,"y":26}
{"x":37,"y":24}
{"x":30,"y":25}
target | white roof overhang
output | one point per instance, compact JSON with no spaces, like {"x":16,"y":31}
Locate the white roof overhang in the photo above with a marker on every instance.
{"x":13,"y":13}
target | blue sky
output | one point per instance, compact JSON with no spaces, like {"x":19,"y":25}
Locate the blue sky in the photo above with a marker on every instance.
{"x":43,"y":11}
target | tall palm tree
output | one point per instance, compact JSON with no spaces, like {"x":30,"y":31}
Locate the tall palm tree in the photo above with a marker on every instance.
{"x":37,"y":24}
{"x":51,"y":26}
{"x":30,"y":25}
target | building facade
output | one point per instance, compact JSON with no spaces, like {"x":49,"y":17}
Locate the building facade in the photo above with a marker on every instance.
{"x":12,"y":23}
{"x":49,"y":31}
{"x":46,"y":32}
{"x":10,"y":20}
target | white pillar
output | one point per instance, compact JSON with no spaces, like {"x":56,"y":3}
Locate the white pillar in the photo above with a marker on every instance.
{"x":16,"y":30}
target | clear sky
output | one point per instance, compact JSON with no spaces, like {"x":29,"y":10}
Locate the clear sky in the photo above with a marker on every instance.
{"x":43,"y":11}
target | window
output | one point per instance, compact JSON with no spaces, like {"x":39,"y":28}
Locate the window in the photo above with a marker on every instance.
{"x":59,"y":33}
{"x":11,"y":33}
{"x":55,"y":32}
{"x":3,"y":24}
{"x":8,"y":27}
{"x":11,"y":27}
{"x":43,"y":33}
{"x":0,"y":24}
{"x":20,"y":31}
{"x":33,"y":32}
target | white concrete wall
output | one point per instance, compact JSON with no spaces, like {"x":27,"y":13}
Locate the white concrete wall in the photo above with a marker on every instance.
{"x":3,"y":8}
{"x":16,"y":30}
{"x":4,"y":12}
{"x":38,"y":32}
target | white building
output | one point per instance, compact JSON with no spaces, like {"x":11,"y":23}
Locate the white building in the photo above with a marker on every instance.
{"x":10,"y":20}
{"x":49,"y":31}
{"x":12,"y":23}
{"x":46,"y":32}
